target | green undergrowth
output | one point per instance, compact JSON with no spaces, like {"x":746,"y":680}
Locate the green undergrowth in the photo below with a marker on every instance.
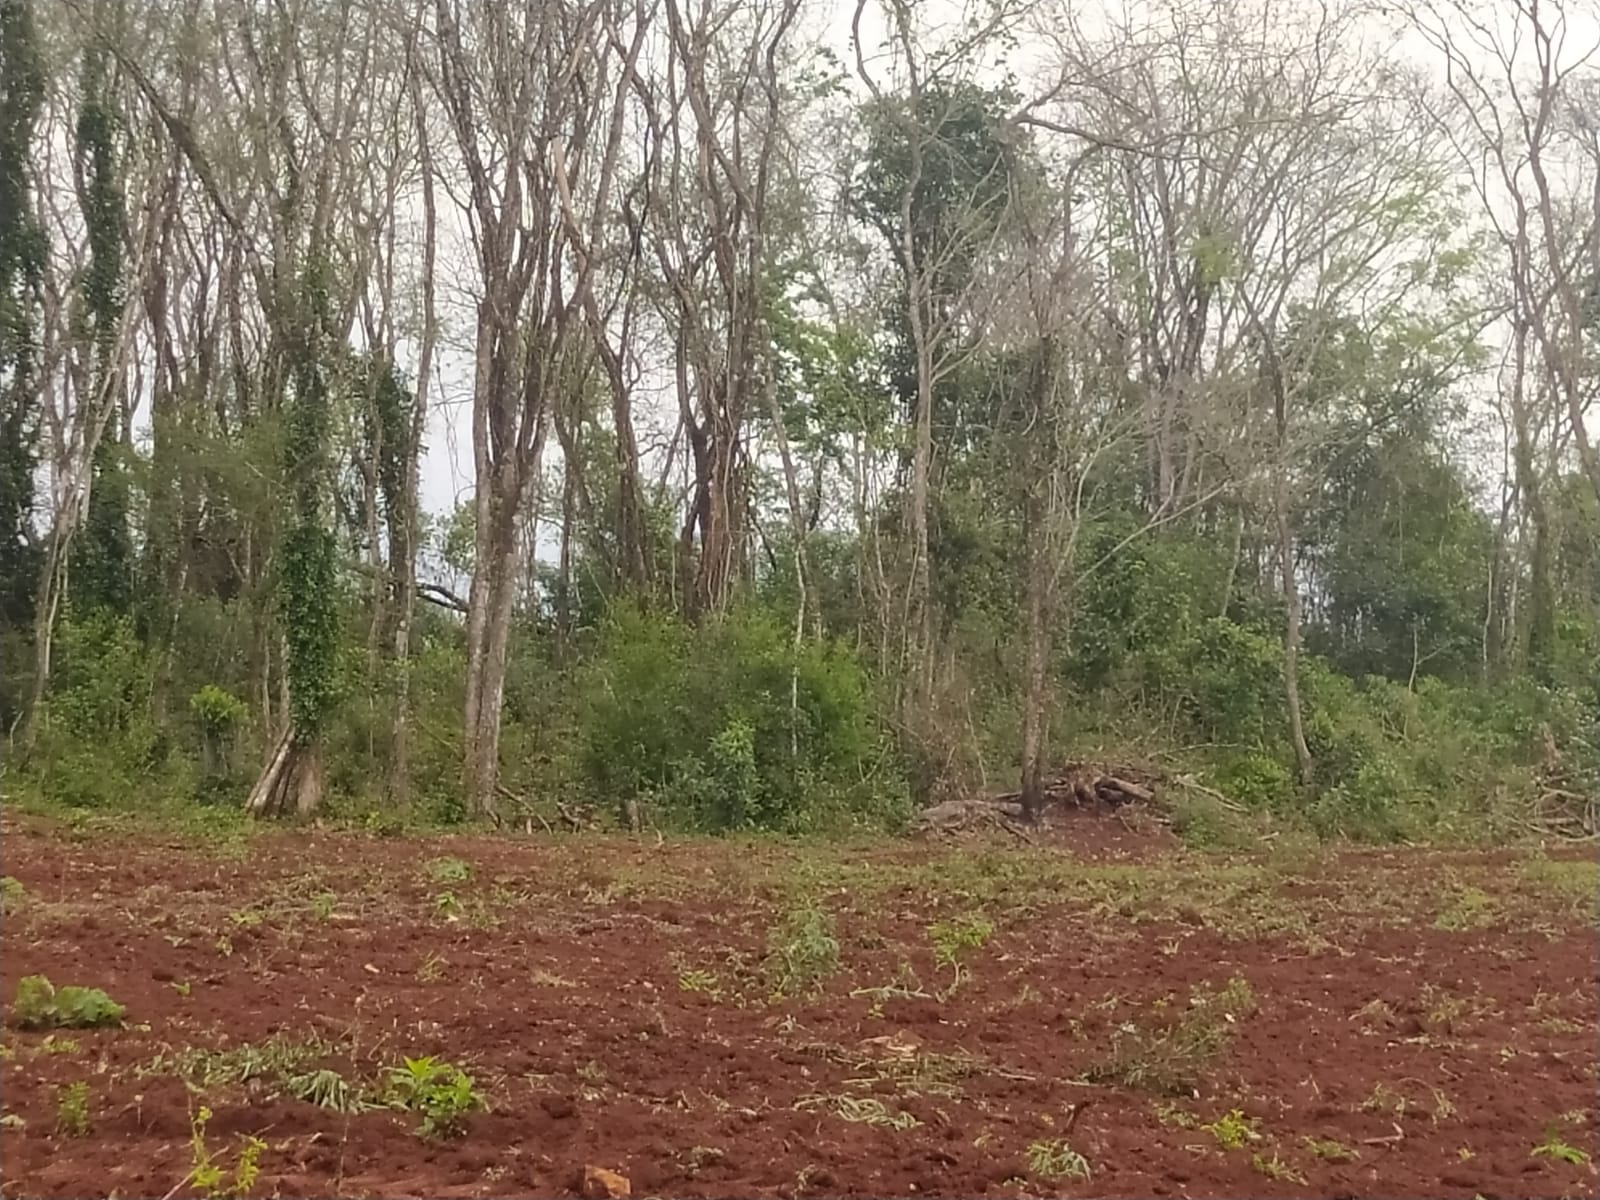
{"x":39,"y":1004}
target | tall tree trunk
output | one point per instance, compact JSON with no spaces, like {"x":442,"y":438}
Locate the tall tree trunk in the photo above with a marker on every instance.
{"x":404,"y":561}
{"x":489,"y":609}
{"x":491,"y":602}
{"x":1036,"y":692}
{"x":1541,"y":595}
{"x":1291,"y":626}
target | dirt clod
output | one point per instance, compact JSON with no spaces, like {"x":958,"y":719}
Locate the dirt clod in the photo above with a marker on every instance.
{"x":601,"y":1184}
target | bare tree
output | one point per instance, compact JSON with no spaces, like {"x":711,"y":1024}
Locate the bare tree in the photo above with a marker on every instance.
{"x":515,"y":80}
{"x":1521,"y":116}
{"x":927,"y":88}
{"x":713,"y":128}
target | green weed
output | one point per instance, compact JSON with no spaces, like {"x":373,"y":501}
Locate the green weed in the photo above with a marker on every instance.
{"x":802,"y":951}
{"x":1469,"y":908}
{"x":1232,"y":1130}
{"x":72,"y":1109}
{"x":951,"y":939}
{"x":1055,"y":1159}
{"x":210,"y":1175}
{"x":326,"y":1089}
{"x":440,"y":1092}
{"x":275,"y":1060}
{"x":860,"y":1109}
{"x":12,"y":894}
{"x":694,"y":980}
{"x":1331,"y":1150}
{"x":1174,"y":1058}
{"x":41,"y":1005}
{"x":1276,"y":1168}
{"x":1172,"y":1116}
{"x":449,"y":870}
{"x":1571,"y":883}
{"x":1557,"y":1148}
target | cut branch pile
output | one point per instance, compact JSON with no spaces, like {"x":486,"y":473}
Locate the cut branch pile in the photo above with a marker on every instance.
{"x":1075,"y":785}
{"x":576,"y":818}
{"x":1565,"y":803}
{"x":969,"y":815}
{"x":1091,"y":784}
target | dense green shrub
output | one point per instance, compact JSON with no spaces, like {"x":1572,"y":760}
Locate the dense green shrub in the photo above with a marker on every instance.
{"x":99,"y":742}
{"x":1255,"y":779}
{"x":730,"y":726}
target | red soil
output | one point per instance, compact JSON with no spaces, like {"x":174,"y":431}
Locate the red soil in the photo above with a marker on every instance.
{"x":559,"y":983}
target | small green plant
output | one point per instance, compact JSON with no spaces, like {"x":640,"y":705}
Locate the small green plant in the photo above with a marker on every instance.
{"x":12,"y":894}
{"x":861,"y":1110}
{"x":72,"y":1109}
{"x":447,"y":905}
{"x":449,"y":870}
{"x":802,"y":951}
{"x":59,"y":1045}
{"x":1054,"y":1159}
{"x":323,"y":904}
{"x":1469,"y":908}
{"x":1172,"y":1116}
{"x":41,"y":1005}
{"x":432,"y":969}
{"x":440,"y":1092}
{"x":1330,"y":1150}
{"x":694,"y":980}
{"x":1233,"y":1130}
{"x":951,"y":939}
{"x":183,"y":988}
{"x":209,"y":1174}
{"x":1557,"y":1148}
{"x":1276,"y":1168}
{"x":326,"y":1089}
{"x":1385,"y":1099}
{"x":1173,"y":1058}
{"x":274,"y":1060}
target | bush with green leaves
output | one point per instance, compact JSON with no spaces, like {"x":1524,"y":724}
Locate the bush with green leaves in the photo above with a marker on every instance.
{"x":441,"y":1093}
{"x":1255,"y":779}
{"x":39,"y":1004}
{"x":98,"y":739}
{"x":218,"y":715}
{"x":730,"y":726}
{"x":802,"y":950}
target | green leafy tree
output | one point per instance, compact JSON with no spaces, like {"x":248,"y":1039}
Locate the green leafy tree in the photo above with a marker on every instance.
{"x":308,"y":579}
{"x":103,"y":551}
{"x":23,"y":251}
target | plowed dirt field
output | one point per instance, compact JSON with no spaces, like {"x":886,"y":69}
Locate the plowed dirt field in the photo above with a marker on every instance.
{"x":1095,"y":1015}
